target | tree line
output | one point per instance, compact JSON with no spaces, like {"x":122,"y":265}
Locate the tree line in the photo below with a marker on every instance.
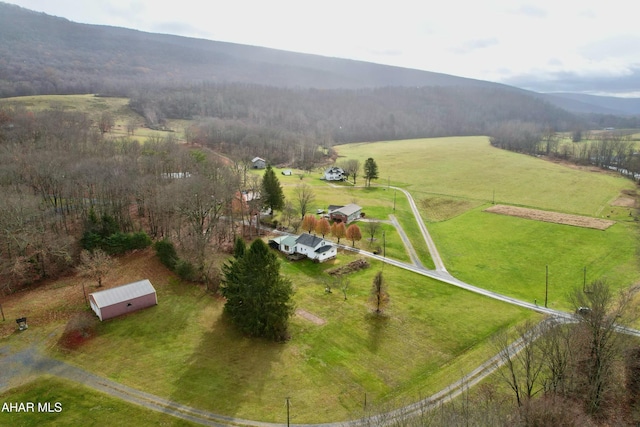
{"x":608,"y":149}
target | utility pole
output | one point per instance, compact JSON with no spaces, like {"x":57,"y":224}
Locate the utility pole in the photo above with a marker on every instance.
{"x":394,"y":201}
{"x":546,"y":288}
{"x":85,"y":294}
{"x":2,"y":312}
{"x":384,"y":244}
{"x":288,"y":406}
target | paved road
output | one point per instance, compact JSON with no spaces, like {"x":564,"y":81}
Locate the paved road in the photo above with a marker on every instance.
{"x":32,"y":362}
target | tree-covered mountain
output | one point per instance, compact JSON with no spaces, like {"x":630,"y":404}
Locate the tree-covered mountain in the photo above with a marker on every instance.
{"x":180,"y":77}
{"x":42,"y":54}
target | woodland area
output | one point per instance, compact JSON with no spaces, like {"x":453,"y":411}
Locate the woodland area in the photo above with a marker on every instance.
{"x":64,"y":186}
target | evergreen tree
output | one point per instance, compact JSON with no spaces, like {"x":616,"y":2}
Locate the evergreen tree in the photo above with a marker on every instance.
{"x":239,"y":248}
{"x":272,"y":193}
{"x":258,"y":298}
{"x":370,"y":170}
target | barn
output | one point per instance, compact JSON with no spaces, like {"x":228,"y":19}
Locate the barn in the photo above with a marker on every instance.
{"x":123,"y":299}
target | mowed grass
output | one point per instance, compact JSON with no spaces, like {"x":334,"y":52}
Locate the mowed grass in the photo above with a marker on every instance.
{"x":184,"y":349}
{"x":469,"y":167}
{"x":510,"y":255}
{"x":453,"y":180}
{"x":77,"y":405}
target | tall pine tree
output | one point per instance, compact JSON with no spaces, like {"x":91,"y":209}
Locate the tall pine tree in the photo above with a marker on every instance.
{"x":272,"y":193}
{"x":259,"y":299}
{"x":370,"y":170}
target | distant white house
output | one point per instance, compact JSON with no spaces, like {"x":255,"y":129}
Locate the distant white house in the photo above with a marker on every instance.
{"x":346,"y":214}
{"x":176,"y":175}
{"x":334,"y":173}
{"x":258,"y":163}
{"x":313,"y":247}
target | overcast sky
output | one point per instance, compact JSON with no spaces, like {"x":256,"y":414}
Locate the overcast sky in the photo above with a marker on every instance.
{"x":590,"y":46}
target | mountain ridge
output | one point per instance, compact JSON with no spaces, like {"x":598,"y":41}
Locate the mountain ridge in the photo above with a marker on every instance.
{"x":44,"y":54}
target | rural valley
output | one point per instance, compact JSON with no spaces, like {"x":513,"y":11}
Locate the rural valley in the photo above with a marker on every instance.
{"x":425,"y":251}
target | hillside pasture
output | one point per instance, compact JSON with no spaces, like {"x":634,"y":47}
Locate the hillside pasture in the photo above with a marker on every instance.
{"x":455,"y":179}
{"x":470,"y":168}
{"x":189,"y":353}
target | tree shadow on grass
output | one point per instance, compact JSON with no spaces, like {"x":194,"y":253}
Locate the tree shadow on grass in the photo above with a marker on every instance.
{"x":378,"y":323}
{"x":232,"y":375}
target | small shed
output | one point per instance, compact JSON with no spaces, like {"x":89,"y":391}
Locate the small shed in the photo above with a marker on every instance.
{"x":258,"y":163}
{"x":123,"y":299}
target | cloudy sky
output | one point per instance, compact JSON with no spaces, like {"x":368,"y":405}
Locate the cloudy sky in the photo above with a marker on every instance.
{"x":589,"y":46}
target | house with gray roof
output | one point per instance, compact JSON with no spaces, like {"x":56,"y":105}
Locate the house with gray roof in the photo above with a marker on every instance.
{"x":123,"y":299}
{"x":346,"y":214}
{"x":306,"y":245}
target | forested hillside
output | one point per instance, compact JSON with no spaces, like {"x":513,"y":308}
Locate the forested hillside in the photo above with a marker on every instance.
{"x":42,"y":54}
{"x":233,"y":117}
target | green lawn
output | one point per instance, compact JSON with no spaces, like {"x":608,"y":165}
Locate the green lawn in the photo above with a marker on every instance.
{"x":432,"y":334}
{"x":468,"y":167}
{"x":72,"y":404}
{"x":510,"y":255}
{"x":454,"y":179}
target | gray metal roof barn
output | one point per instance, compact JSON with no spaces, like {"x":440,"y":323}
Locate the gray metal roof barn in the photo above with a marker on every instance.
{"x":123,"y":299}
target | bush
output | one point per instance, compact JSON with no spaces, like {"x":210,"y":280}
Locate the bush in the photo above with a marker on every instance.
{"x":80,"y":328}
{"x":90,"y":240}
{"x":166,"y":252}
{"x":119,"y":243}
{"x":185,"y":270}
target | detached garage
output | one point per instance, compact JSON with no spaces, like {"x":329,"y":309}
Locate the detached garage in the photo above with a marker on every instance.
{"x":123,"y":299}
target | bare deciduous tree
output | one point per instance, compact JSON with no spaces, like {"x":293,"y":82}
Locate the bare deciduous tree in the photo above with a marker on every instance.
{"x":600,"y":312}
{"x":95,"y":265}
{"x":304,"y":196}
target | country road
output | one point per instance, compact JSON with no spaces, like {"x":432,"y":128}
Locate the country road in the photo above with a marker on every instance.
{"x":32,"y":361}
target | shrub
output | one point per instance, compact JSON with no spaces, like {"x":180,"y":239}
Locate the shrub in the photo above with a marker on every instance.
{"x":185,"y":270}
{"x":166,"y":252}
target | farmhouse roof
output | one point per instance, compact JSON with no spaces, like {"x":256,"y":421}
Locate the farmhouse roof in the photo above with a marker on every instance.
{"x":348,"y":209}
{"x":255,"y":159}
{"x":323,"y":249}
{"x":123,"y":293}
{"x":309,"y":240}
{"x":285,"y":240}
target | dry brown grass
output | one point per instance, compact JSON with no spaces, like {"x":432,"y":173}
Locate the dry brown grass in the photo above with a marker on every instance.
{"x":51,"y":302}
{"x":554,"y":217}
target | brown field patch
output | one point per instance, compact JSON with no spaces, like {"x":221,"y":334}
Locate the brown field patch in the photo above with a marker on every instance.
{"x":310,"y":317}
{"x":554,"y":217}
{"x":624,"y":201}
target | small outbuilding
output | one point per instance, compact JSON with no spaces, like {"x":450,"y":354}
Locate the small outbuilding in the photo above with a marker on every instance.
{"x":123,"y":299}
{"x":258,"y":163}
{"x":346,"y":214}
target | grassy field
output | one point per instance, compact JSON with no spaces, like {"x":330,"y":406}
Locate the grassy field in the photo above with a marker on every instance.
{"x":432,"y":334}
{"x":469,"y":168}
{"x":78,"y":405}
{"x":510,"y":255}
{"x":452,"y":180}
{"x":188,"y":352}
{"x":94,"y":106}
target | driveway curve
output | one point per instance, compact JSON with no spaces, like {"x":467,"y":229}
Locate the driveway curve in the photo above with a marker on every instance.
{"x":32,"y":362}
